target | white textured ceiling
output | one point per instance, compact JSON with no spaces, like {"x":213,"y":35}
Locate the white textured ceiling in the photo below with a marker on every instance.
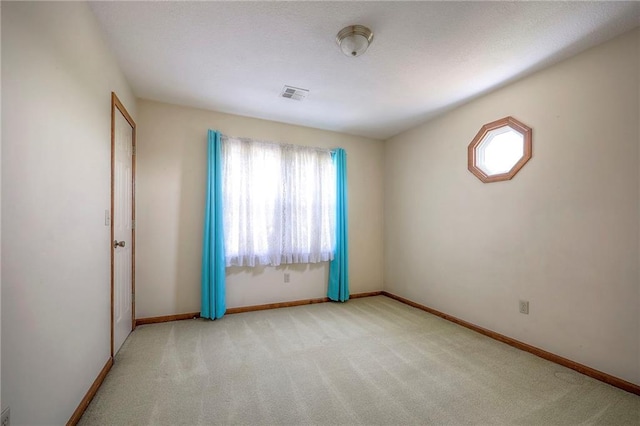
{"x":426,"y":57}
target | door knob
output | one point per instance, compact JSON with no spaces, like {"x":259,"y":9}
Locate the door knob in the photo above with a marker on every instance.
{"x":117,"y":244}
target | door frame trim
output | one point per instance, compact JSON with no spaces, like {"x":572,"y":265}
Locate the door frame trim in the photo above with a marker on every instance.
{"x":116,"y":104}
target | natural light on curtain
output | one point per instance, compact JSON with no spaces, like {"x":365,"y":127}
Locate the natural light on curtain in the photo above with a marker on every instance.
{"x":280,"y":203}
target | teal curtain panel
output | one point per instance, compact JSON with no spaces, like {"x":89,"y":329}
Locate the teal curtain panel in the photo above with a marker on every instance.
{"x":339,"y":268}
{"x":213,"y":259}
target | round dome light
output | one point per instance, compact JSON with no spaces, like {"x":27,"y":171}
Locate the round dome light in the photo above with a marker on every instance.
{"x":354,"y":40}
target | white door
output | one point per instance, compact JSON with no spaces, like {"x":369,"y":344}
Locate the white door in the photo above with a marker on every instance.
{"x":123,"y":237}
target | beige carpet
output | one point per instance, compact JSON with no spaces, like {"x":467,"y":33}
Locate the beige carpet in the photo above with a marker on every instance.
{"x":368,"y":361}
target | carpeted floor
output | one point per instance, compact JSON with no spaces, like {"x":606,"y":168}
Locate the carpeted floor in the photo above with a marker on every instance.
{"x":368,"y":361}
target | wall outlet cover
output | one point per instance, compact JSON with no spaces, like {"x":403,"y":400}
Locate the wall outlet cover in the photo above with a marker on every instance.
{"x":524,"y":307}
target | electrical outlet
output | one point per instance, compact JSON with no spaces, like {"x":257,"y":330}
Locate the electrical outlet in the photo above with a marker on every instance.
{"x":4,"y":420}
{"x":287,"y":277}
{"x":524,"y":307}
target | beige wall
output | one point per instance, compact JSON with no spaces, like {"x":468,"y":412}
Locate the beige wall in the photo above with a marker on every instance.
{"x":57,"y":78}
{"x":562,"y":234}
{"x":171,"y":177}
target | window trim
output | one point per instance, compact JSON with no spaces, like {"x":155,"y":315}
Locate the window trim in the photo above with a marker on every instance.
{"x":512,"y":123}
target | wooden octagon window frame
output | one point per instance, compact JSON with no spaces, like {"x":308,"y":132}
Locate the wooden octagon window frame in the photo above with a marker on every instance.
{"x":514,"y":124}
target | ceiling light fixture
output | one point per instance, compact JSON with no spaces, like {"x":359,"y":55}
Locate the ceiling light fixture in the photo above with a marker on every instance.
{"x":354,"y":40}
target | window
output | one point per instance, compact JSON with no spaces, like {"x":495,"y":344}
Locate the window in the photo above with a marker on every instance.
{"x":499,"y":150}
{"x":279,"y":203}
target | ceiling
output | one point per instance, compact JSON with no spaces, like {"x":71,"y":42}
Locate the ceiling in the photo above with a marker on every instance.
{"x":426,"y":57}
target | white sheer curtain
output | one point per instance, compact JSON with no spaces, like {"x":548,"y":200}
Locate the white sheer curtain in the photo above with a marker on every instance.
{"x":279,"y":203}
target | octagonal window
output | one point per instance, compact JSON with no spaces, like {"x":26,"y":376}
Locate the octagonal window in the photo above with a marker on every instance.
{"x":499,"y":150}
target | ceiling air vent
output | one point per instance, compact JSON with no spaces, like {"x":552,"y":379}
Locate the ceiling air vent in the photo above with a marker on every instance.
{"x":294,"y":93}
